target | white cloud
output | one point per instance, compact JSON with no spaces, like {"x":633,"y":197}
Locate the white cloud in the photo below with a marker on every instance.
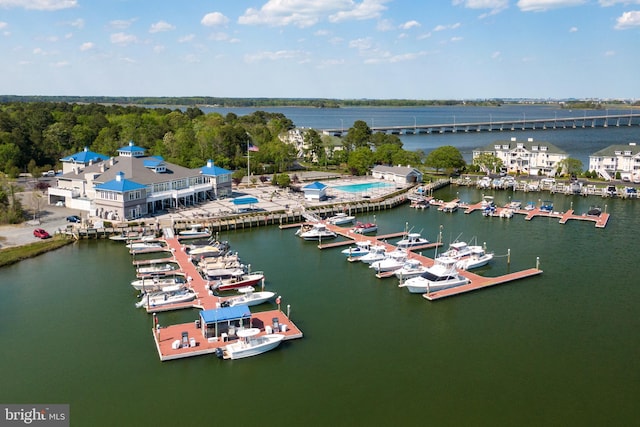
{"x":123,"y":39}
{"x":361,"y":44}
{"x":446,"y":27}
{"x":607,"y":3}
{"x":410,"y":24}
{"x":161,"y":26}
{"x":495,"y":55}
{"x":78,"y":23}
{"x":628,"y":20}
{"x":214,"y":19}
{"x":456,"y":39}
{"x":3,"y":25}
{"x":186,"y":39}
{"x":158,"y":48}
{"x":573,"y":29}
{"x":39,"y":4}
{"x":306,"y":13}
{"x":60,"y":64}
{"x":494,"y":6}
{"x":385,"y":25}
{"x":544,"y":5}
{"x":610,"y":53}
{"x":219,"y":37}
{"x":121,"y":24}
{"x":86,"y":46}
{"x":276,"y":56}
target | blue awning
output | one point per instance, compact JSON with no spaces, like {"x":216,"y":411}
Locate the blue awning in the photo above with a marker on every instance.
{"x":225,"y":314}
{"x":245,"y":200}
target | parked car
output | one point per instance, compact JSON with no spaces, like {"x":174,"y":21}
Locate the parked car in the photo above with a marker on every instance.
{"x":74,"y":218}
{"x":41,"y":234}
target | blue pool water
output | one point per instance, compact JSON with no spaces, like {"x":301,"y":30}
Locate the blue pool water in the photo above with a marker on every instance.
{"x":359,"y":188}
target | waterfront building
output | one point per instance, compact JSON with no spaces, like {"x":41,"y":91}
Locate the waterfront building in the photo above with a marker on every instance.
{"x":316,"y":191}
{"x":528,"y":158}
{"x":132,"y":184}
{"x":398,"y":174}
{"x":617,"y":159}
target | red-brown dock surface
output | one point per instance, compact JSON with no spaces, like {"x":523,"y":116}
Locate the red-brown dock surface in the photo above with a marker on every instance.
{"x":475,"y":281}
{"x":599,"y":220}
{"x":165,"y":336}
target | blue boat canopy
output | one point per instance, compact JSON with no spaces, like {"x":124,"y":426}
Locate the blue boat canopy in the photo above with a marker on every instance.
{"x":225,"y":314}
{"x":245,"y":200}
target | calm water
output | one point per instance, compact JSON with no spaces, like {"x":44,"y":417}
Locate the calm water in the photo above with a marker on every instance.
{"x":557,"y":349}
{"x":359,"y":188}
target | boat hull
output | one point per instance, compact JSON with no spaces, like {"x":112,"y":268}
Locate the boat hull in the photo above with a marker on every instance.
{"x":253,"y":347}
{"x":418,"y":285}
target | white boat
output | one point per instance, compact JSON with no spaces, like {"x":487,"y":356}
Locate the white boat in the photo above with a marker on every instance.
{"x":248,"y":297}
{"x":151,"y":269}
{"x":411,"y":268}
{"x":208,"y":251}
{"x":450,"y":207}
{"x":361,"y":248}
{"x":150,"y":284}
{"x":144,"y":245}
{"x":441,"y":275}
{"x":530,"y":206}
{"x":341,"y":218}
{"x":249,"y":343}
{"x":412,"y":240}
{"x":457,"y":250}
{"x":317,"y":231}
{"x":237,"y":281}
{"x":506,"y":213}
{"x":516,"y":205}
{"x":478,"y":258}
{"x":365,"y":228}
{"x":196,"y":232}
{"x":172,"y":296}
{"x":393,"y":260}
{"x":376,"y":253}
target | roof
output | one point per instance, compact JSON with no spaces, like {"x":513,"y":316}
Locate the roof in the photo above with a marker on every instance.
{"x":315,"y":186}
{"x":213,"y":170}
{"x":225,"y":313}
{"x":131,"y":148}
{"x":152,"y":162}
{"x":120,"y":185}
{"x":612,"y":149}
{"x":396,"y":170}
{"x":245,"y":200}
{"x":135,"y":169}
{"x":86,"y":156}
{"x":525,"y":144}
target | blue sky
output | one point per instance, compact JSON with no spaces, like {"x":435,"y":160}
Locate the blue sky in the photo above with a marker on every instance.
{"x":347,"y":49}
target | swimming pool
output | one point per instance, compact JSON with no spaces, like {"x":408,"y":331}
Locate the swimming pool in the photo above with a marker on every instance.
{"x":362,"y":187}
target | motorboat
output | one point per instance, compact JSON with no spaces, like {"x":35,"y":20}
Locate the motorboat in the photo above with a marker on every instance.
{"x":594,"y":211}
{"x":361,"y":248}
{"x":506,"y":213}
{"x":248,"y":297}
{"x":230,"y":260}
{"x":317,"y":231}
{"x":441,"y":275}
{"x":236,"y":281}
{"x":393,"y":260}
{"x":516,"y":205}
{"x":412,"y":240}
{"x":140,"y":245}
{"x":341,"y":218}
{"x":365,"y":228}
{"x":546,"y":206}
{"x":450,"y":207}
{"x":210,"y":250}
{"x":530,"y":206}
{"x":249,"y":343}
{"x":151,"y":269}
{"x":457,"y":250}
{"x":151,"y":284}
{"x":411,"y":268}
{"x":376,"y":253}
{"x":174,"y":295}
{"x":477,"y":258}
{"x":195,"y":232}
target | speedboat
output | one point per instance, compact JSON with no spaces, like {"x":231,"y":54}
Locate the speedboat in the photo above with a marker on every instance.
{"x":144,"y":245}
{"x":477,"y":258}
{"x":457,"y":250}
{"x":196,"y":232}
{"x":361,"y":248}
{"x":546,"y":206}
{"x":317,"y":231}
{"x":441,"y":275}
{"x":237,"y":280}
{"x":506,"y":213}
{"x":150,"y":284}
{"x":449,"y":207}
{"x":248,"y":297}
{"x":250,"y":343}
{"x":411,"y":268}
{"x":530,"y":206}
{"x":412,"y":240}
{"x":376,"y":253}
{"x":211,"y":250}
{"x":594,"y":211}
{"x":341,"y":218}
{"x":393,"y":260}
{"x":149,"y":270}
{"x":365,"y":228}
{"x":166,"y":297}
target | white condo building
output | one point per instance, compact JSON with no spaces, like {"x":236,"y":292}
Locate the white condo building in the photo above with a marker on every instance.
{"x":619,"y":158}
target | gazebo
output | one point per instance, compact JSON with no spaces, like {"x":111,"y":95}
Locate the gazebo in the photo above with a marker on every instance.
{"x":225,"y":320}
{"x":316,"y":191}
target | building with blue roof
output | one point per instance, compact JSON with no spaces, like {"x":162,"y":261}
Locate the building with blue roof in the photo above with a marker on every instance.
{"x":316,"y":191}
{"x":133,"y":184}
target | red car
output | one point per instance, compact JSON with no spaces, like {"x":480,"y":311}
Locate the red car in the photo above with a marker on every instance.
{"x":40,"y":233}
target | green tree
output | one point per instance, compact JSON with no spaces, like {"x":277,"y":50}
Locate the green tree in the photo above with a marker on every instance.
{"x":446,"y":157}
{"x":359,"y":135}
{"x":360,"y":161}
{"x":570,"y":166}
{"x":488,"y":162}
{"x":313,"y":140}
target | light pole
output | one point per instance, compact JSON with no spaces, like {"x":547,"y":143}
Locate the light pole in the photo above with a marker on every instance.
{"x":415,"y":124}
{"x":341,"y":126}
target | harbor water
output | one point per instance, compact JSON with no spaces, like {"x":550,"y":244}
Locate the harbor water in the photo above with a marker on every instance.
{"x":560,"y":348}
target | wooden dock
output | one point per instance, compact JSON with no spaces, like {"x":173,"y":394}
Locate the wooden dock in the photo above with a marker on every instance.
{"x":205,"y":300}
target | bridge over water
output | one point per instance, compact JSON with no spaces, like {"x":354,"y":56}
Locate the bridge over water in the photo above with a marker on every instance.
{"x":600,"y":121}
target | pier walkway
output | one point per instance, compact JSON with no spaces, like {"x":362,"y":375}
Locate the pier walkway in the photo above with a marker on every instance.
{"x":165,"y":336}
{"x":476,"y":281}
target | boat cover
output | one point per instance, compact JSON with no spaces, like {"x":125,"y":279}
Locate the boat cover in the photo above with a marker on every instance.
{"x":224,"y":314}
{"x":245,"y":200}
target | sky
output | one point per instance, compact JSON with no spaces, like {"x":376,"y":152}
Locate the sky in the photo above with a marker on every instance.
{"x":341,"y":49}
